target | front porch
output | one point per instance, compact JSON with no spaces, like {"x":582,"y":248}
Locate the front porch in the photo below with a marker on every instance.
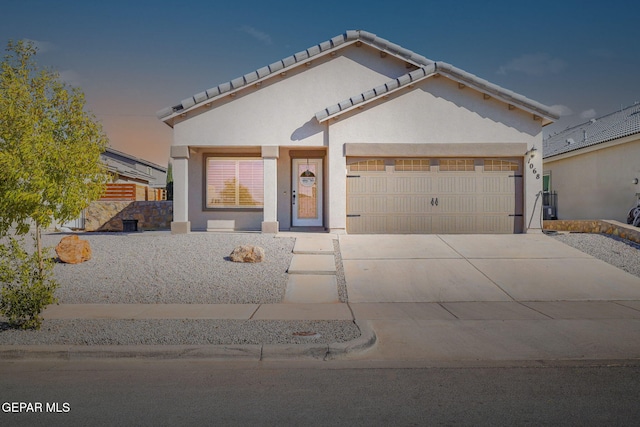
{"x":300,"y":190}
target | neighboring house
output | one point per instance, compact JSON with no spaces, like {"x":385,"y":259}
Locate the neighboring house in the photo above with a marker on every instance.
{"x":128,"y":168}
{"x":134,"y":179}
{"x":594,"y":167}
{"x":357,"y":135}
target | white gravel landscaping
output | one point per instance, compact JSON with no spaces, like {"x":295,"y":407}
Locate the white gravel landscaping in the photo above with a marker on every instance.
{"x":161,"y":268}
{"x":181,"y":332}
{"x":620,"y":253}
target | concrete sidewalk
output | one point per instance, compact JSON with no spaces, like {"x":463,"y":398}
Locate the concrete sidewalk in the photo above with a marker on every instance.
{"x":431,"y":333}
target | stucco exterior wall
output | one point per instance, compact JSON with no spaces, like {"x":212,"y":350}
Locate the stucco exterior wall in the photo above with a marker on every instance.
{"x":281,"y":111}
{"x":597,"y":183}
{"x":436,"y":111}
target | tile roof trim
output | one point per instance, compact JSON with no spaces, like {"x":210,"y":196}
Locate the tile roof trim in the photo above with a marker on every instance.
{"x":561,"y":146}
{"x":378,"y":92}
{"x":346,"y":39}
{"x":448,"y":71}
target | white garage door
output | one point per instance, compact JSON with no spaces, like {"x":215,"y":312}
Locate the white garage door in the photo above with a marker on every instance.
{"x":395,"y":196}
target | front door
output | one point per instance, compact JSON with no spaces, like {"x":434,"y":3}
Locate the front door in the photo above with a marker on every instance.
{"x":306,"y":193}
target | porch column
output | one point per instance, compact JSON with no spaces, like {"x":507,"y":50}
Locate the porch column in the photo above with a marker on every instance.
{"x":270,"y":156}
{"x":180,"y":223}
{"x":337,"y":190}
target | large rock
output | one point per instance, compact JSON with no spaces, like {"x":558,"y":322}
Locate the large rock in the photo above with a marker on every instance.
{"x":247,"y":253}
{"x":72,"y":250}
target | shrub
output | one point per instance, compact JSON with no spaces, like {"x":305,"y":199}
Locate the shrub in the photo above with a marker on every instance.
{"x":27,"y":285}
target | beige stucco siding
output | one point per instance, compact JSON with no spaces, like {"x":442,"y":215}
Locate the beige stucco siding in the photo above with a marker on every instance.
{"x":281,"y":111}
{"x":598,"y":183}
{"x":436,"y":111}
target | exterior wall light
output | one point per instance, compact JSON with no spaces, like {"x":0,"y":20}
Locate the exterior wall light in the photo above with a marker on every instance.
{"x":634,"y":181}
{"x":532,"y":152}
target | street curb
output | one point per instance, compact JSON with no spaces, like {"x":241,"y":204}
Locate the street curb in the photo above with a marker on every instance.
{"x":255,"y":352}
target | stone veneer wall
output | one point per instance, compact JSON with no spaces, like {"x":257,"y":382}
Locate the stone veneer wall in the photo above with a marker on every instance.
{"x":108,"y":215}
{"x":614,"y":228}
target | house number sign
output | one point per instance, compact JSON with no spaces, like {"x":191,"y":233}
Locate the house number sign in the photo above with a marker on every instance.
{"x":533,"y":169}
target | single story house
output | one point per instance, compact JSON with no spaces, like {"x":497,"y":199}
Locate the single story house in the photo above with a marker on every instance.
{"x":357,"y":135}
{"x":594,"y":167}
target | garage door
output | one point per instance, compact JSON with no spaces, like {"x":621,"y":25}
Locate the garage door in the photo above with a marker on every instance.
{"x":394,"y":196}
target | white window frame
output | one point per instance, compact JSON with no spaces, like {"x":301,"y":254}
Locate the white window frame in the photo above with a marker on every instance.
{"x":258,"y":187}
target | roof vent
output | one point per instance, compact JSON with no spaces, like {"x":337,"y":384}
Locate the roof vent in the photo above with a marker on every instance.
{"x":592,"y":120}
{"x":570,"y":141}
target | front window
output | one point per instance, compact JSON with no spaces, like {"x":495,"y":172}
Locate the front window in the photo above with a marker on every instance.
{"x":234,"y":182}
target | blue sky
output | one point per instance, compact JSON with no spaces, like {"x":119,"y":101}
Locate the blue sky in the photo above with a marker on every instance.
{"x":133,"y":58}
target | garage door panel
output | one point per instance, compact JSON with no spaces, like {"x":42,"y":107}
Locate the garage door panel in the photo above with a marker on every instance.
{"x":356,"y":185}
{"x":400,"y":204}
{"x":401,"y":184}
{"x":501,"y":184}
{"x":457,"y":203}
{"x":457,"y":184}
{"x":357,"y":204}
{"x":420,"y":224}
{"x":498,"y":204}
{"x":421,"y":184}
{"x":376,"y":185}
{"x":472,"y":200}
{"x":497,"y":224}
{"x":421,"y":204}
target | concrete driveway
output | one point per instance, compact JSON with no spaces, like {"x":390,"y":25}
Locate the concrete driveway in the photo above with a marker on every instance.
{"x":459,"y":268}
{"x":449,"y":298}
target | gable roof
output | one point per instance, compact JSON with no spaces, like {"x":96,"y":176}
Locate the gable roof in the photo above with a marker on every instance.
{"x":425,"y":68}
{"x":616,"y":125}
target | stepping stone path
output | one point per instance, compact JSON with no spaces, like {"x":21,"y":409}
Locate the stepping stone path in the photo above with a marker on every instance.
{"x":312,"y":272}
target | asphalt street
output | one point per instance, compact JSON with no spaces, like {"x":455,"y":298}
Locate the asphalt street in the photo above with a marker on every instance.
{"x":159,"y":393}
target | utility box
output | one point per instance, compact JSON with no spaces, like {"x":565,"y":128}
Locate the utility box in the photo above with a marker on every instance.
{"x":129,"y":225}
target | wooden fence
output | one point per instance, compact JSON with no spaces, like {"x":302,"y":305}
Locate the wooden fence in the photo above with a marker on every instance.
{"x":130,"y":191}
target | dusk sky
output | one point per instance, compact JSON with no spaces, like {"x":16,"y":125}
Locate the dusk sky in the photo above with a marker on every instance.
{"x":133,"y":58}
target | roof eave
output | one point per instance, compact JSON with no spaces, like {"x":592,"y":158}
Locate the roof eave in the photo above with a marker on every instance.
{"x":539,"y":110}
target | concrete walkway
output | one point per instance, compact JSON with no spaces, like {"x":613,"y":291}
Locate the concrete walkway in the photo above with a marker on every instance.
{"x":312,"y":273}
{"x":430,"y":300}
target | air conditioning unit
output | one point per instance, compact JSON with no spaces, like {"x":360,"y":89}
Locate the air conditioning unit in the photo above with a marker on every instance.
{"x":549,"y":212}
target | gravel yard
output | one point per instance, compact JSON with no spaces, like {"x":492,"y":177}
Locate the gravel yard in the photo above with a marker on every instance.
{"x":181,"y":332}
{"x":161,"y":268}
{"x":623,"y":254}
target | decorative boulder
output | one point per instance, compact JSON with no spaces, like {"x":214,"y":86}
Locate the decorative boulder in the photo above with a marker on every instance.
{"x":72,"y":250}
{"x":247,"y":253}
